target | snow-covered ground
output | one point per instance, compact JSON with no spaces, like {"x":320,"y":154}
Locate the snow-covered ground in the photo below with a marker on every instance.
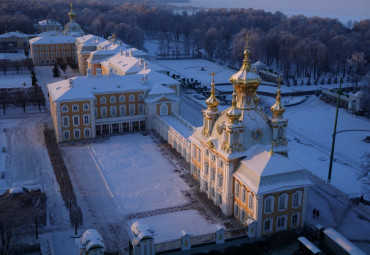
{"x":133,"y":180}
{"x":13,"y":56}
{"x":14,"y":80}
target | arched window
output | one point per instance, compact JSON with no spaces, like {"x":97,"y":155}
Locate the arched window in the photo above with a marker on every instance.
{"x":122,"y":110}
{"x":103,"y":100}
{"x":283,"y":202}
{"x":112,"y":99}
{"x":163,"y":110}
{"x":76,"y":134}
{"x":122,"y":98}
{"x":269,"y":204}
{"x":132,"y":97}
{"x":64,"y":108}
{"x":113,"y":111}
{"x":296,"y":199}
{"x":103,"y":112}
{"x":86,"y":107}
{"x":250,"y":200}
{"x":141,"y":108}
{"x":141,"y":97}
{"x":75,"y":108}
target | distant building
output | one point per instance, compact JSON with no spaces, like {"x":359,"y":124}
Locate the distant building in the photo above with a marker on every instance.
{"x":14,"y":40}
{"x":354,"y":101}
{"x":72,"y":27}
{"x":86,"y":106}
{"x":48,"y":25}
{"x":266,"y":73}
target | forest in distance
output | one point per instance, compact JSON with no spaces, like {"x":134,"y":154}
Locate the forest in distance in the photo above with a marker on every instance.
{"x":299,"y":46}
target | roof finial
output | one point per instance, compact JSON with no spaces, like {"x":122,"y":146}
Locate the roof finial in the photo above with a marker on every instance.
{"x":246,"y":64}
{"x":113,"y":37}
{"x":212,"y":101}
{"x":279,"y":80}
{"x":277,"y":109}
{"x":71,"y":7}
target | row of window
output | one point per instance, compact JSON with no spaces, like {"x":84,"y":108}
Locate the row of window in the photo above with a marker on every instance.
{"x":121,"y":108}
{"x":52,"y":47}
{"x":241,"y":193}
{"x":213,"y":157}
{"x":121,"y":99}
{"x":76,"y":120}
{"x":281,"y":222}
{"x":282,"y":202}
{"x":76,"y":134}
{"x":75,"y":108}
{"x":52,"y":54}
{"x":214,"y":195}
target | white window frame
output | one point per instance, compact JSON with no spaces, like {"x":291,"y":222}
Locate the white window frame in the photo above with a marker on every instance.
{"x":250,"y":200}
{"x":297,"y":194}
{"x":86,"y":107}
{"x":271,"y":198}
{"x":64,"y":108}
{"x":237,"y":189}
{"x":79,"y":133}
{"x":141,"y":97}
{"x":243,"y":196}
{"x":75,"y":108}
{"x":122,"y":106}
{"x":213,"y":174}
{"x":64,"y":135}
{"x":269,"y":230}
{"x":103,"y":100}
{"x":103,"y":109}
{"x":131,"y":98}
{"x":78,"y":120}
{"x":236,"y":209}
{"x":113,"y":111}
{"x":242,"y":215}
{"x":88,"y":119}
{"x":220,"y":181}
{"x":122,"y":99}
{"x":63,"y":119}
{"x":279,"y":220}
{"x":283,"y":202}
{"x":112,"y":99}
{"x":87,"y":130}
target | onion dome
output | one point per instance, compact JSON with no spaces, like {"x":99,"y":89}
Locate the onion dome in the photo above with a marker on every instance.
{"x":277,"y":109}
{"x":212,"y":101}
{"x":246,"y":84}
{"x":233,"y":113}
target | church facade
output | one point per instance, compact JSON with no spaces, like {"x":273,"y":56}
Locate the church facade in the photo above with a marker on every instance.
{"x":239,"y":159}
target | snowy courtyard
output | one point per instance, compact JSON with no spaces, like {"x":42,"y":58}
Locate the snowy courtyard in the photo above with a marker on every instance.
{"x":128,"y":178}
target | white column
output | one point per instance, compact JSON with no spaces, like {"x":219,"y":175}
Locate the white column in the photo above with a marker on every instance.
{"x":139,"y":124}
{"x":101,"y":129}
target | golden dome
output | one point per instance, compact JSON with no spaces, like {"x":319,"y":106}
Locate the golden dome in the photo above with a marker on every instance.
{"x":278,"y":109}
{"x":233,"y":113}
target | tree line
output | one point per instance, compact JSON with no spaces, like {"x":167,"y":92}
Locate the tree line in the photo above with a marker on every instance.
{"x":297,"y":45}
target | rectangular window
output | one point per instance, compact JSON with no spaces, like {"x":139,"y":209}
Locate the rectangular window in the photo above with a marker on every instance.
{"x":236,"y":210}
{"x":58,"y":54}
{"x":122,"y":110}
{"x":237,"y":186}
{"x":76,"y":121}
{"x":219,"y":199}
{"x":198,"y":158}
{"x":206,"y":185}
{"x":77,"y":134}
{"x":86,"y":119}
{"x":113,"y":111}
{"x":220,"y":181}
{"x":212,"y":192}
{"x":87,"y":132}
{"x":141,"y":109}
{"x":63,"y":54}
{"x":213,"y":174}
{"x":41,"y":54}
{"x":244,"y":195}
{"x":268,"y":205}
{"x":250,"y":201}
{"x":68,"y":54}
{"x":267,"y":226}
{"x":295,"y":219}
{"x":52,"y":54}
{"x":46,"y":54}
{"x":36,"y":55}
{"x":65,"y":121}
{"x":103,"y":112}
{"x":242,"y":215}
{"x":66,"y":135}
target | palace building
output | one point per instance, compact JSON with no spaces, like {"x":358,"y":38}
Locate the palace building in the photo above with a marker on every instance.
{"x":47,"y":47}
{"x":239,"y":158}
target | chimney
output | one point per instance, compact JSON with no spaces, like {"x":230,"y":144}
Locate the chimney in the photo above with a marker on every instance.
{"x":89,"y":73}
{"x":144,"y":79}
{"x":145,"y":65}
{"x":70,"y":85}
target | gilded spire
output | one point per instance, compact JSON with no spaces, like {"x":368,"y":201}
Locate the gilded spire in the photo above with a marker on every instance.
{"x":72,"y":14}
{"x":233,"y":113}
{"x":271,"y":149}
{"x":246,"y":63}
{"x":212,"y":101}
{"x":113,"y":37}
{"x":278,"y":109}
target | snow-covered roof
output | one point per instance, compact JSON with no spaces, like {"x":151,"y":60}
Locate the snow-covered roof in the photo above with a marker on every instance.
{"x":14,"y":34}
{"x":92,"y":239}
{"x":337,"y":237}
{"x":47,"y":22}
{"x":264,"y":172}
{"x":89,"y":40}
{"x":84,"y":87}
{"x":52,"y":38}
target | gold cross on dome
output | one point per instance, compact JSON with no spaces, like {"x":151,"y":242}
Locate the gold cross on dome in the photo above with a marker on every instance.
{"x":213,"y":74}
{"x":279,"y":80}
{"x":71,"y":6}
